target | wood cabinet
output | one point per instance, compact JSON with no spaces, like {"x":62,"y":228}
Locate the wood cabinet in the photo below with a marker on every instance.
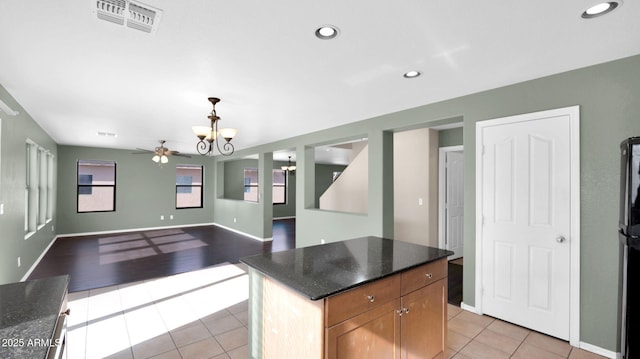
{"x":410,"y":324}
{"x":403,"y":316}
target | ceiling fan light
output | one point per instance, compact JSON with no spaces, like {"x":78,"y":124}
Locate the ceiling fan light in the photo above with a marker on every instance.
{"x":292,"y":168}
{"x":156,"y":159}
{"x":164,"y":159}
{"x":284,"y":168}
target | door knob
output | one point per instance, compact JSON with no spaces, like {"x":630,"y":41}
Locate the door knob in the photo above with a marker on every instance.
{"x":560,"y":239}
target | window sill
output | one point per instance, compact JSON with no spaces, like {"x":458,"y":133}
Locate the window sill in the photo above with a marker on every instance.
{"x":28,"y":235}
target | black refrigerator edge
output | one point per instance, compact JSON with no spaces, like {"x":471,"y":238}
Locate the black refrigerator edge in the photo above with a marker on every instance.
{"x":629,"y":235}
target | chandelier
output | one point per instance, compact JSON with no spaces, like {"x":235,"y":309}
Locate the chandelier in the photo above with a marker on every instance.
{"x":207,"y":135}
{"x":291,"y":169}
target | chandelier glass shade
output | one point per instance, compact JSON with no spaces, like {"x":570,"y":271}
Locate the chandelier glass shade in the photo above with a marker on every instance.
{"x":207,"y":135}
{"x":289,"y":168}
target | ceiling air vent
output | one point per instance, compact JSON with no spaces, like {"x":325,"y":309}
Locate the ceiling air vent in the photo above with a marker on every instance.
{"x":132,"y":14}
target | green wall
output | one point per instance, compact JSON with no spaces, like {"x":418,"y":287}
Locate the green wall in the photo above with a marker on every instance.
{"x":450,"y":137}
{"x":324,"y":179}
{"x":14,"y":131}
{"x":144,"y":192}
{"x":234,"y":185}
{"x":610,"y":111}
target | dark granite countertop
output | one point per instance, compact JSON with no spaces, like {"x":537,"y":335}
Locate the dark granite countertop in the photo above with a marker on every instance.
{"x":320,"y":271}
{"x":28,"y":315}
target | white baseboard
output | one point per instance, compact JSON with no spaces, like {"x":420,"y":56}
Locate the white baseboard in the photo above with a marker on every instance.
{"x":468,"y":308}
{"x":600,"y":351}
{"x":35,"y":264}
{"x":244,"y":234}
{"x":285,"y":217}
{"x":134,"y":230}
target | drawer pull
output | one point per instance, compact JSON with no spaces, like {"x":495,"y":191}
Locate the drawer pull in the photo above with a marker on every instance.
{"x":429,"y":275}
{"x":406,"y":310}
{"x":66,"y":312}
{"x":399,"y":311}
{"x":371,"y":298}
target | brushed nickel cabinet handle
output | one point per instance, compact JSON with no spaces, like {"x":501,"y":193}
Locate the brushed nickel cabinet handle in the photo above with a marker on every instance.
{"x":429,"y":275}
{"x":399,"y":311}
{"x":371,"y":298}
{"x":67,"y":312}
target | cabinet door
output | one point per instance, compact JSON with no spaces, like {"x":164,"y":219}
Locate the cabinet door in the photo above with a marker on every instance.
{"x":424,"y":322}
{"x":370,"y":335}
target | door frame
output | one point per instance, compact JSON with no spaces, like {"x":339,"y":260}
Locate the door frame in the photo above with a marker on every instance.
{"x":442,"y":191}
{"x":574,"y":147}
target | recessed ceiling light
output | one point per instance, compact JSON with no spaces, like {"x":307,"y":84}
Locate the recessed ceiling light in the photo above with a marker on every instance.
{"x":327,"y":32}
{"x":600,"y":9}
{"x":412,"y":74}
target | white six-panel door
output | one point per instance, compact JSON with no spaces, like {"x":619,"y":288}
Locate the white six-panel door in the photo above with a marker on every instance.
{"x":525,"y":221}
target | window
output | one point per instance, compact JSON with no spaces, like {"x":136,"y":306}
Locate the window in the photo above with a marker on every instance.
{"x":96,"y":186}
{"x":251,"y":184}
{"x":38,"y":194}
{"x":279,"y":187}
{"x":188,"y":186}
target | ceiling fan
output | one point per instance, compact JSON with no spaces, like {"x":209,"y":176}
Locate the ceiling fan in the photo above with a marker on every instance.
{"x":161,"y":153}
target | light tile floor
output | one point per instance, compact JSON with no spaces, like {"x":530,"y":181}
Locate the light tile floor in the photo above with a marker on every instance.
{"x":203,"y":314}
{"x":475,"y":336}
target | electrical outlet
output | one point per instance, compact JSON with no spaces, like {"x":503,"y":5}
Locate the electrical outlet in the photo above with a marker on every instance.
{"x":162,"y":218}
{"x":19,"y":264}
{"x":171,"y":217}
{"x":322,"y":241}
{"x":419,"y":201}
{"x":1,"y":208}
{"x":234,"y":220}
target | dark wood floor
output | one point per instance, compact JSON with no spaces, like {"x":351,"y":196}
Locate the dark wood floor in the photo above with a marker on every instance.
{"x":455,"y":284}
{"x":103,"y":260}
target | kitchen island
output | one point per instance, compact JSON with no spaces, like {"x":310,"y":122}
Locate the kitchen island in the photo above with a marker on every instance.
{"x":368,"y":297}
{"x":32,"y":322}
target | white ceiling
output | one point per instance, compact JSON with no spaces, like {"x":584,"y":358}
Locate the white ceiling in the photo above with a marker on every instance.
{"x":77,"y":75}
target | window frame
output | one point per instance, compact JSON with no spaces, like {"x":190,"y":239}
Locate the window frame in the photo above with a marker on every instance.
{"x":38,"y":197}
{"x":114,"y":185}
{"x":191,"y":186}
{"x":273,"y":185}
{"x":284,"y":186}
{"x":250,"y":185}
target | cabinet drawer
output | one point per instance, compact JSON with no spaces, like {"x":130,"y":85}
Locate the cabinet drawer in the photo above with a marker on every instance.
{"x":424,"y":275}
{"x":358,"y":300}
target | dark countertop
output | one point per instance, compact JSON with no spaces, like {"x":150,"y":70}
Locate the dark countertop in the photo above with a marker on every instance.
{"x":28,"y":315}
{"x":320,"y":271}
